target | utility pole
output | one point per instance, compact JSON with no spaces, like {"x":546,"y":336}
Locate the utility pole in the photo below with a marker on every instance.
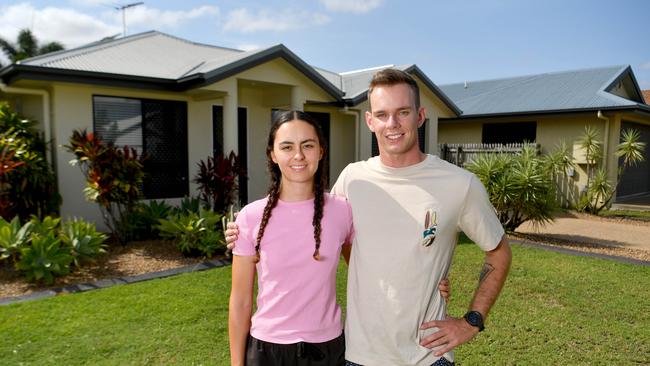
{"x":123,"y":9}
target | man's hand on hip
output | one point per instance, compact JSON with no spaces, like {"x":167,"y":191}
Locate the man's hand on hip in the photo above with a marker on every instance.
{"x":451,"y":333}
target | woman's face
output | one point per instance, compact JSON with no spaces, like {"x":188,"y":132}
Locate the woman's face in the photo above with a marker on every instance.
{"x":297,"y":151}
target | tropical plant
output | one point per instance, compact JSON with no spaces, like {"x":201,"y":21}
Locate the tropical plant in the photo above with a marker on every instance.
{"x":27,"y":180}
{"x":84,"y":239}
{"x":13,"y":237}
{"x":599,"y":192}
{"x":194,"y":233}
{"x":217,"y":180}
{"x":48,"y":225}
{"x":44,"y":259}
{"x":520,"y":186}
{"x":114,"y":178}
{"x":189,"y":204}
{"x":27,"y":46}
{"x":145,"y":217}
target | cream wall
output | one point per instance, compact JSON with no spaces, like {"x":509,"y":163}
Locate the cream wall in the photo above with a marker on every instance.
{"x":551,"y":131}
{"x":72,"y":108}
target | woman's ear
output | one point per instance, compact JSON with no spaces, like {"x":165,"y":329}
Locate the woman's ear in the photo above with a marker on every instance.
{"x":273,"y":157}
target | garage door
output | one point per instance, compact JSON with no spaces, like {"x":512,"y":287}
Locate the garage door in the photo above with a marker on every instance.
{"x":636,"y":179}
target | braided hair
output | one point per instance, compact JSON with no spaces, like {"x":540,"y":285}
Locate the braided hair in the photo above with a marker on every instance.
{"x":320,"y":178}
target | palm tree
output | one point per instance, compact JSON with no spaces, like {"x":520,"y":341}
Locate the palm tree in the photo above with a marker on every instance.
{"x":27,"y":46}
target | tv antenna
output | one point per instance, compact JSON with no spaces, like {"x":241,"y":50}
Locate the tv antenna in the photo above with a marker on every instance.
{"x":123,"y":9}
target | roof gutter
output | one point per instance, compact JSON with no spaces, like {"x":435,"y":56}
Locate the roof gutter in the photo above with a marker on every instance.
{"x":46,"y":110}
{"x":356,"y":114}
{"x":600,"y":115}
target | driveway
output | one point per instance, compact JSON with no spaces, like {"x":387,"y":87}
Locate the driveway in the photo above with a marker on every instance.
{"x":579,"y":228}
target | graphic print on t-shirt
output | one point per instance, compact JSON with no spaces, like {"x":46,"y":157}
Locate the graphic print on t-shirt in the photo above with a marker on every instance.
{"x":430,"y":227}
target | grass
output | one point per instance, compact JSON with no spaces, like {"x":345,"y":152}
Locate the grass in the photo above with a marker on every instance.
{"x":555,"y":309}
{"x":627,"y":214}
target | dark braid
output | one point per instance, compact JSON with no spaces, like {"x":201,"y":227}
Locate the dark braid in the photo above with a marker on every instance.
{"x":274,"y":194}
{"x":319,"y":201}
{"x":320,"y":178}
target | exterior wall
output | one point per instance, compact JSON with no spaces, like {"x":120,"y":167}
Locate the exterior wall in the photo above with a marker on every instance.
{"x":72,"y":108}
{"x":551,"y":131}
{"x":342,"y":139}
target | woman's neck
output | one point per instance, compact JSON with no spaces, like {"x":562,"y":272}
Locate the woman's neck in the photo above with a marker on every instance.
{"x":294,"y":191}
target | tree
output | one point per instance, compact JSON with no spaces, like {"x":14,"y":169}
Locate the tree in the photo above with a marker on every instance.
{"x":27,"y":46}
{"x":600,"y":191}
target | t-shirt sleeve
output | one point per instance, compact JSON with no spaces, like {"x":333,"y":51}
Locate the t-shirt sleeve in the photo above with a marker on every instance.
{"x":245,"y":244}
{"x":478,"y":219}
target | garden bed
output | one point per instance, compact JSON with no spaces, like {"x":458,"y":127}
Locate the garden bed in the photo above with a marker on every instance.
{"x":134,"y":259}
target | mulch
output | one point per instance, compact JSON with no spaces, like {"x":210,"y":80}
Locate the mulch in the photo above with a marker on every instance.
{"x":120,"y":261}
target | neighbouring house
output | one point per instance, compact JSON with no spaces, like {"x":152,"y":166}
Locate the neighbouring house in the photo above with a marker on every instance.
{"x":181,"y":101}
{"x":646,"y":96}
{"x":554,"y":107}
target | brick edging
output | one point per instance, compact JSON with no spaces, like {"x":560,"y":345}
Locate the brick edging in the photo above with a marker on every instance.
{"x":105,"y":283}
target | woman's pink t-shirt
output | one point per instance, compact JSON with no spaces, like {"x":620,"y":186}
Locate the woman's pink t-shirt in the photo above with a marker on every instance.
{"x":296,"y":299}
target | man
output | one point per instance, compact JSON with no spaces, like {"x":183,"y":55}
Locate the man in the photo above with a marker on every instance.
{"x":408,"y":208}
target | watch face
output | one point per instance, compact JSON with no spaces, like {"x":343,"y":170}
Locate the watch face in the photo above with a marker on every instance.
{"x":475,"y":318}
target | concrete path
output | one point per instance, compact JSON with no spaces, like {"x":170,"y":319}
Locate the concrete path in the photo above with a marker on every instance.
{"x":588,"y":229}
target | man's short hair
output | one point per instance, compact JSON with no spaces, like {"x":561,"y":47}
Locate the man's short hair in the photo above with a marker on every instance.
{"x":390,"y":77}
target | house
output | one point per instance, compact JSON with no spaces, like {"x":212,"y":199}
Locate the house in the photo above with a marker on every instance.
{"x":181,"y":101}
{"x":554,"y":107}
{"x":646,"y":96}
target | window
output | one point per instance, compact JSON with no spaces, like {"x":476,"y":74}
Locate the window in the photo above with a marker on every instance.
{"x":508,"y":133}
{"x":155,"y":127}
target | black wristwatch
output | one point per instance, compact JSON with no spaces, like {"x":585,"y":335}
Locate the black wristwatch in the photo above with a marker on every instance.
{"x":475,"y":319}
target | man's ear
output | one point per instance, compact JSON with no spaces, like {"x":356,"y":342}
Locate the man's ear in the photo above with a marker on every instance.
{"x":422,"y":116}
{"x":369,"y":121}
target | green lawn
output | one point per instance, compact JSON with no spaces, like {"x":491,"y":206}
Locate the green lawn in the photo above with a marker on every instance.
{"x":555,"y":309}
{"x":627,"y":214}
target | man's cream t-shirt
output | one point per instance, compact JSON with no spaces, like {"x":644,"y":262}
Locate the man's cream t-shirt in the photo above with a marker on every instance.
{"x":406,"y":222}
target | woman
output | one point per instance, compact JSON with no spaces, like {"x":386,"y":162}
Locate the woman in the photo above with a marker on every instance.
{"x":293,"y":239}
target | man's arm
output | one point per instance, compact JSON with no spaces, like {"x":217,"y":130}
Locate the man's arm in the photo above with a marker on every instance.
{"x":453,"y":332}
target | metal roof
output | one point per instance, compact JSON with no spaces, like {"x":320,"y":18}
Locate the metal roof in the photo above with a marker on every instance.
{"x":146,"y":54}
{"x":575,"y":90}
{"x":155,"y":60}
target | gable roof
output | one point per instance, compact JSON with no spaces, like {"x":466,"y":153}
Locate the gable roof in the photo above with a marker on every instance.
{"x":155,"y":60}
{"x":355,"y":84}
{"x":568,"y":91}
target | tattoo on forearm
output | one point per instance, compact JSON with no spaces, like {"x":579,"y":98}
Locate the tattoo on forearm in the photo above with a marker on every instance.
{"x":487,"y":269}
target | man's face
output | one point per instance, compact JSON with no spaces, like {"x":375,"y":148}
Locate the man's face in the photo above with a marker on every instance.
{"x":395,"y":120}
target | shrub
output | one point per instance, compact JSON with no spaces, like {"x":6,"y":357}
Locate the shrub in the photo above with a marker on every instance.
{"x":145,"y":217}
{"x":194,"y":233}
{"x":114,"y":178}
{"x":42,"y":249}
{"x":217,"y":180}
{"x":84,"y":240}
{"x":520,"y":186}
{"x":189,"y":204}
{"x":44,"y":259}
{"x":27,"y":182}
{"x":13,"y":237}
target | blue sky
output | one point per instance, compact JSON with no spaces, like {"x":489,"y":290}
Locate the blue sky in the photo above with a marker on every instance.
{"x":451,"y":41}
